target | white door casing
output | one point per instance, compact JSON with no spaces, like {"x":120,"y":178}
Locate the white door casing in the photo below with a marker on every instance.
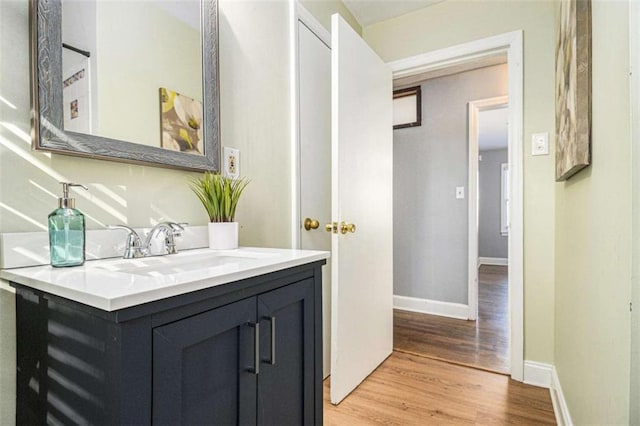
{"x":362,"y":262}
{"x":512,"y":44}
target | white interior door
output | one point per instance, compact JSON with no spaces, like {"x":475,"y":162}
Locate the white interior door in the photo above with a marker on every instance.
{"x":362,"y":261}
{"x":314,"y":72}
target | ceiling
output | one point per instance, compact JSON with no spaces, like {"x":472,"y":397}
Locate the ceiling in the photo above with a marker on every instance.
{"x":493,"y":129}
{"x":369,"y":12}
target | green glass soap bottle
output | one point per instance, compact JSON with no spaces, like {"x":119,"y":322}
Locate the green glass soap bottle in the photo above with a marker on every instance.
{"x":67,"y":231}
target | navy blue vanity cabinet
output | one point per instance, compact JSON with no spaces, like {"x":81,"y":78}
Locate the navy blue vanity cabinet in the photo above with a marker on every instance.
{"x":243,"y":353}
{"x":286,"y":316}
{"x":203,"y":369}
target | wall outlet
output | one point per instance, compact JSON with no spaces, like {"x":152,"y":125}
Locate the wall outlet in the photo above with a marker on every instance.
{"x":540,"y":144}
{"x":459,"y":192}
{"x":231,"y":162}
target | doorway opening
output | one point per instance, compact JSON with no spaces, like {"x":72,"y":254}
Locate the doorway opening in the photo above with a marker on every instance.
{"x":488,"y":288}
{"x":447,"y":301}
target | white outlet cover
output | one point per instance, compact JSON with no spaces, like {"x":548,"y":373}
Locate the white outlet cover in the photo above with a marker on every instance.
{"x":459,"y":192}
{"x":231,"y":162}
{"x":540,"y":144}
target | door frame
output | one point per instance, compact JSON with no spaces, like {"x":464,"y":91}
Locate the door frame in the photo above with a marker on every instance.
{"x":475,"y":107}
{"x":298,"y":13}
{"x":511,"y":44}
{"x":634,"y":97}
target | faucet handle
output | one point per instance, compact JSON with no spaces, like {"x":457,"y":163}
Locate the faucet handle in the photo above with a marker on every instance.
{"x":178,"y":228}
{"x":133,"y":245}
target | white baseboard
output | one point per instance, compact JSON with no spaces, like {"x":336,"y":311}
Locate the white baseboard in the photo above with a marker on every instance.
{"x":498,"y":261}
{"x":560,"y":408}
{"x":433,"y":307}
{"x":537,"y":374}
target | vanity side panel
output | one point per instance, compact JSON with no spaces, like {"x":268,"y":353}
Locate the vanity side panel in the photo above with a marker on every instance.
{"x":30,"y":387}
{"x":131,"y":371}
{"x":319,"y":342}
{"x":65,"y":363}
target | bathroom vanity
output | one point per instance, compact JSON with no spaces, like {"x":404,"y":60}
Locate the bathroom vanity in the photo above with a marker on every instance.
{"x":201,"y":337}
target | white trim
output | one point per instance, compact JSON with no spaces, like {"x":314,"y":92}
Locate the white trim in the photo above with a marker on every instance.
{"x":497,"y":261}
{"x":313,"y":24}
{"x":504,"y":199}
{"x":455,"y":55}
{"x":516,"y":204}
{"x":298,"y":14}
{"x":472,"y":210}
{"x":511,"y":44}
{"x":474,"y":109}
{"x":433,"y":307}
{"x":560,"y":408}
{"x":634,"y":98}
{"x":537,"y":374}
{"x":294,"y":95}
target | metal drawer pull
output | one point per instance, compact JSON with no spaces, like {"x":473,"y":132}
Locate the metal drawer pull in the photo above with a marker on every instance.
{"x":256,"y":348}
{"x":272,"y":323}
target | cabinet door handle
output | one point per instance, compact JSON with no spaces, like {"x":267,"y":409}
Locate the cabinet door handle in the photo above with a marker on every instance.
{"x":272,"y":323}
{"x":256,"y":348}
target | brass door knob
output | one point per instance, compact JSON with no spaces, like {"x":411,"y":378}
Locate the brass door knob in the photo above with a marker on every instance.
{"x":310,"y":224}
{"x":331,"y":227}
{"x":347,"y":227}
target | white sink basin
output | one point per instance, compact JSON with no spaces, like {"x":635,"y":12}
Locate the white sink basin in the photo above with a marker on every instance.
{"x":185,"y":263}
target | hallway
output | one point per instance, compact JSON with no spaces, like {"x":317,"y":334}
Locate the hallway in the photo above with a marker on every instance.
{"x":484,"y":345}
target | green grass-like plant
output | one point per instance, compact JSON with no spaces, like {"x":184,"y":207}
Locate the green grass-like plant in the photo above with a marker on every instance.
{"x":219,"y":195}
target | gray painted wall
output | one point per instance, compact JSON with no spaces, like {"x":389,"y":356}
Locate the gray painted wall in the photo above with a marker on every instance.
{"x":430,"y":224}
{"x":490,"y":242}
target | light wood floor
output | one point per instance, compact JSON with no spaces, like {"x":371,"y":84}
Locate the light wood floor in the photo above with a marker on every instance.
{"x":414,"y":386}
{"x":483,"y":343}
{"x":413,"y":390}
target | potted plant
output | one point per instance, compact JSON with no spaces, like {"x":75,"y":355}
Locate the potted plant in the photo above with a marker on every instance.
{"x":219,"y":196}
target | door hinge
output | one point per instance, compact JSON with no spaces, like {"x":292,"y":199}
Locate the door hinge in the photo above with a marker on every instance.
{"x":630,"y":306}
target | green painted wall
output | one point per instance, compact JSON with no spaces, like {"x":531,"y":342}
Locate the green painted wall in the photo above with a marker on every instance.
{"x":593,"y":241}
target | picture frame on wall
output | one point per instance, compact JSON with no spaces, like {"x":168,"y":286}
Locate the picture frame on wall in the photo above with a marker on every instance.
{"x":573,"y":89}
{"x":407,"y":107}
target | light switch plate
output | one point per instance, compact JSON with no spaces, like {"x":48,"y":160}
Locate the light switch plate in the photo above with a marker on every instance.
{"x":540,"y":144}
{"x":231,"y":162}
{"x":459,"y":192}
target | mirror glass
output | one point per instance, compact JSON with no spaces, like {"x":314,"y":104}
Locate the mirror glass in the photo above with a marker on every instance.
{"x":132,"y":70}
{"x":127,"y":80}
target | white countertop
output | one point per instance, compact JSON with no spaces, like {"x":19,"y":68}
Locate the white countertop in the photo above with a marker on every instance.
{"x":113,"y":284}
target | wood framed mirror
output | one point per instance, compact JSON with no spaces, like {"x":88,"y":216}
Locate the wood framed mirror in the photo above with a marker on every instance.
{"x":87,"y":93}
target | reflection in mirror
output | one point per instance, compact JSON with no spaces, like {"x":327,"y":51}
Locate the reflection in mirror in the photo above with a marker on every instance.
{"x":139,"y":80}
{"x":127,"y":80}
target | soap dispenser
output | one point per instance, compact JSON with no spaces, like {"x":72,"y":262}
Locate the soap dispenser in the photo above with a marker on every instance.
{"x":67,"y":231}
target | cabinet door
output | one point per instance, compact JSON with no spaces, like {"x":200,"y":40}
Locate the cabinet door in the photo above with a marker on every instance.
{"x":286,"y":380}
{"x":203,"y":368}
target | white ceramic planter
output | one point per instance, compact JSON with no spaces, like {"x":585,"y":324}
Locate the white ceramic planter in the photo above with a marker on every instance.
{"x":223,"y":235}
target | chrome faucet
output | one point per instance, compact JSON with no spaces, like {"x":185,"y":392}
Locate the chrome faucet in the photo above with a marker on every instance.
{"x":168,"y":230}
{"x":163,"y":233}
